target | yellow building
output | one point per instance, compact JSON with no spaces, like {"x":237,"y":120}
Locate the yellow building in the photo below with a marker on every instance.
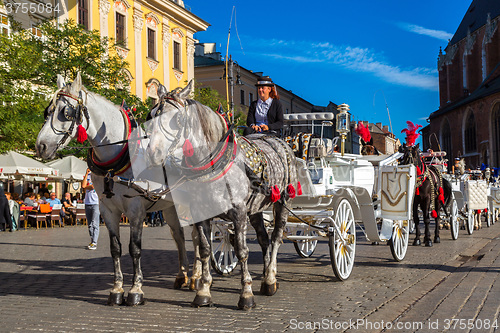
{"x":156,"y":36}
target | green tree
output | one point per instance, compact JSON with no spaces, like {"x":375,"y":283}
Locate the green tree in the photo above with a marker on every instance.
{"x":28,"y":74}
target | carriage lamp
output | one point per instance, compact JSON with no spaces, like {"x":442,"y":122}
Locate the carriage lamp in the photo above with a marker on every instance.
{"x":487,"y":175}
{"x":343,"y":123}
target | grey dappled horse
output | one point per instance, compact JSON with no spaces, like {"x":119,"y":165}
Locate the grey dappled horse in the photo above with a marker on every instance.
{"x":105,"y":125}
{"x":224,"y":173}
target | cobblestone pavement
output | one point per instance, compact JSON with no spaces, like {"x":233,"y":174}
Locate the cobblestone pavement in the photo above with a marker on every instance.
{"x":49,"y":282}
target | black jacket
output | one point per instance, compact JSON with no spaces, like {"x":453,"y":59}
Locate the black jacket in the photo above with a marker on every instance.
{"x":4,"y":209}
{"x":274,"y":115}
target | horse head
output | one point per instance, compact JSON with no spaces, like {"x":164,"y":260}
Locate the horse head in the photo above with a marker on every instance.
{"x":411,"y":154}
{"x":169,"y":122}
{"x":62,"y":117}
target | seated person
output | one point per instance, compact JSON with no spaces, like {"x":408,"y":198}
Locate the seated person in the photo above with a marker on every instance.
{"x":66,"y":202}
{"x":29,"y":200}
{"x":52,"y":200}
{"x":266,"y":113}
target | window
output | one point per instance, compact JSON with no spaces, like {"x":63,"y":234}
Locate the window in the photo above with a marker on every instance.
{"x":177,"y":56}
{"x":151,"y":43}
{"x":36,"y":31}
{"x":470,"y":134}
{"x":242,"y":96}
{"x":120,"y":29}
{"x":83,"y":13}
{"x":250,"y":98}
{"x":4,"y":25}
{"x":446,"y":140}
{"x":464,"y":73}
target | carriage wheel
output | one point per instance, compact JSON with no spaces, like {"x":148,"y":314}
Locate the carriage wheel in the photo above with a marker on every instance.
{"x":223,"y":257}
{"x":342,"y":240}
{"x":399,"y":239}
{"x":305,"y":248}
{"x":470,"y":221}
{"x":454,"y":222}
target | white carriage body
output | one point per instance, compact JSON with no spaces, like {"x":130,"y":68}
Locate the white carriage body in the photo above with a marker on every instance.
{"x":476,"y":192}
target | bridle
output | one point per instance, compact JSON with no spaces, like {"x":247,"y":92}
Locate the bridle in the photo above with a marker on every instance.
{"x":70,"y":113}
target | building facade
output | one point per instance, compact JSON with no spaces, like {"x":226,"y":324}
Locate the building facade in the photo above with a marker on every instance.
{"x":155,"y":37}
{"x":467,"y":123}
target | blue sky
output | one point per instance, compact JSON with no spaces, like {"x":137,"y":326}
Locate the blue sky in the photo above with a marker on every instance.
{"x":348,"y":51}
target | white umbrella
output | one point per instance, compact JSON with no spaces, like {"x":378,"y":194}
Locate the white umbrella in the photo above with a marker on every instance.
{"x":70,"y":167}
{"x":15,"y":163}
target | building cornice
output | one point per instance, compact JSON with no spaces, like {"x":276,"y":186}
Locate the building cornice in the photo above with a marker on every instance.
{"x":176,"y":13}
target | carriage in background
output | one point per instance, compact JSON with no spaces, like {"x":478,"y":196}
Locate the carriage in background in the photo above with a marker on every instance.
{"x":339,"y":191}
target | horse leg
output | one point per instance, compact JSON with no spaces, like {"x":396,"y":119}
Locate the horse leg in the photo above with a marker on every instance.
{"x":416,"y":221}
{"x":177,"y":232}
{"x":135,"y":295}
{"x":427,"y":221}
{"x":112,"y":222}
{"x":203,"y":297}
{"x":257,"y":222}
{"x":194,"y":284}
{"x":269,"y":286}
{"x":246,"y":301}
{"x":438,"y":223}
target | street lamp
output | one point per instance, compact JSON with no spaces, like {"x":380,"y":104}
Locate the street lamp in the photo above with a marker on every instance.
{"x":343,"y":123}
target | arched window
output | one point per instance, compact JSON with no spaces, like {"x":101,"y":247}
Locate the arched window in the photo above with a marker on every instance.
{"x":464,"y":72}
{"x":496,"y":135}
{"x":446,"y":140}
{"x":470,"y":134}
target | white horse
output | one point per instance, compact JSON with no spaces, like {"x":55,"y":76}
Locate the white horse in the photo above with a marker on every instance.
{"x":108,"y":128}
{"x":224,"y":176}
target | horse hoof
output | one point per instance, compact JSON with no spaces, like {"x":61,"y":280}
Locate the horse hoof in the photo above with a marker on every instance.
{"x":416,"y":242}
{"x":428,"y":243}
{"x":115,"y":299}
{"x":437,"y":240}
{"x":194,"y":284}
{"x":269,"y":289}
{"x":180,"y":282}
{"x":134,"y":299}
{"x":246,"y":303}
{"x":200,"y":301}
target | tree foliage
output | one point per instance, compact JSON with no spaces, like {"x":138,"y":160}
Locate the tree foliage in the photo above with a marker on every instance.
{"x":28,"y":74}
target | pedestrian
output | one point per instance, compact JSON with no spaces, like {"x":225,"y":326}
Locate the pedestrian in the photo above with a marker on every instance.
{"x":5,"y":217}
{"x":265,"y":115}
{"x":91,"y":209}
{"x":13,"y":210}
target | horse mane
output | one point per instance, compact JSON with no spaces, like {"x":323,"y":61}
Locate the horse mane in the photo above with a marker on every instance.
{"x":211,"y":134}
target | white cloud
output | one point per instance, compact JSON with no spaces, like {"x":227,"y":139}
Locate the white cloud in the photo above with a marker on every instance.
{"x":357,"y":59}
{"x":442,"y":35}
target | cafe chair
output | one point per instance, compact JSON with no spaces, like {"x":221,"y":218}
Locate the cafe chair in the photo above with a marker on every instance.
{"x":40,"y":216}
{"x":55,"y":215}
{"x":80,"y":214}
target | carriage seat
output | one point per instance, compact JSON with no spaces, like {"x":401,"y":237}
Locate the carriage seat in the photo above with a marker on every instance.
{"x":308,"y":116}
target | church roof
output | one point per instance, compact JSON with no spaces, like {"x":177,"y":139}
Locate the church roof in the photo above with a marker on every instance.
{"x":476,"y":17}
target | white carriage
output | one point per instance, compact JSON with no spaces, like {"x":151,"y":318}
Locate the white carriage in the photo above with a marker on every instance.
{"x":339,"y":192}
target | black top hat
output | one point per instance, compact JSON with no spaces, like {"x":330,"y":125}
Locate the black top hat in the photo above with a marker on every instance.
{"x":265,"y":81}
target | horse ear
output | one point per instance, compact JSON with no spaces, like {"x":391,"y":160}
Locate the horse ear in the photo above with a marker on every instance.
{"x":184,"y":93}
{"x":162,"y":91}
{"x":60,"y":81}
{"x":417,"y":145}
{"x":77,"y":84}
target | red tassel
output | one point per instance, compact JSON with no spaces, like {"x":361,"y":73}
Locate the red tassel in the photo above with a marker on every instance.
{"x":478,"y":211}
{"x":81,"y":134}
{"x":299,"y":189}
{"x":441,"y":195}
{"x":275,"y":194}
{"x":419,"y":172}
{"x":486,"y":210}
{"x":291,"y":191}
{"x":417,"y":191}
{"x":434,"y":214}
{"x":187,"y":148}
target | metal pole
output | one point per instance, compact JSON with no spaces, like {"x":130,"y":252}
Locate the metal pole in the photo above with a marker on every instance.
{"x":232,"y":85}
{"x":342,"y":145}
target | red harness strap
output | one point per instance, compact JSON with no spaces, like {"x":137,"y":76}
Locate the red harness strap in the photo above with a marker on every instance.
{"x":121,"y":153}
